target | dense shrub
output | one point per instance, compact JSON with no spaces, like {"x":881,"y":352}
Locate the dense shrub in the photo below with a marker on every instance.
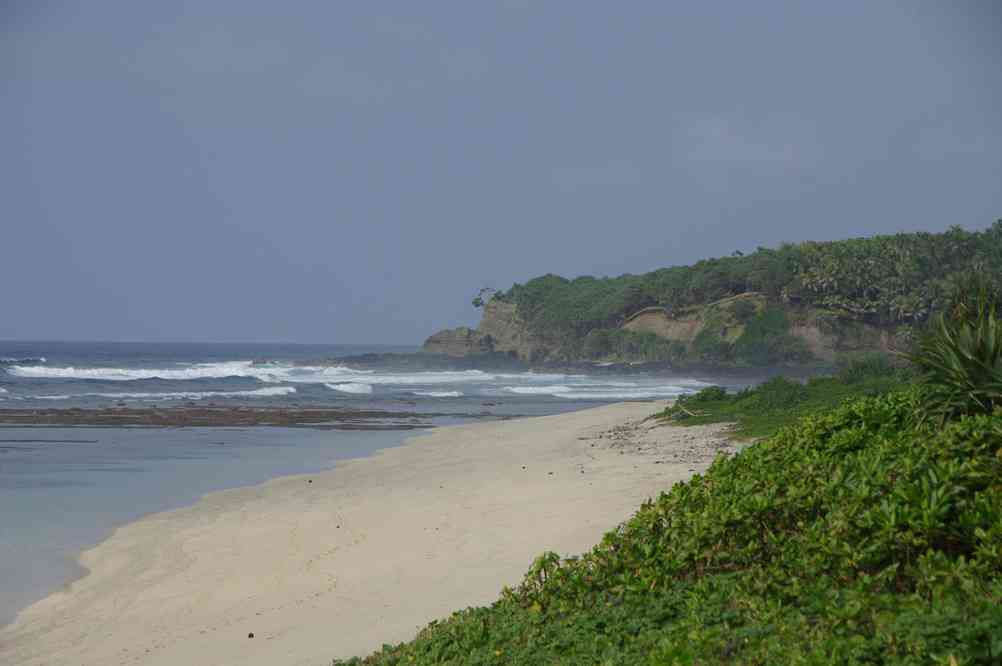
{"x":856,"y":367}
{"x":766,"y":340}
{"x":709,"y":346}
{"x":627,"y":345}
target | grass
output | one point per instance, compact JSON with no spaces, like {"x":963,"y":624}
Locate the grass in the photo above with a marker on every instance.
{"x":762,"y":410}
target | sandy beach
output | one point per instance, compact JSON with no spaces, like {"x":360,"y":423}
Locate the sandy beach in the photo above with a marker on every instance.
{"x":338,"y":563}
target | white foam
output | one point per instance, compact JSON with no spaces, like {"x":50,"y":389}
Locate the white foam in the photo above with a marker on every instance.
{"x":537,"y":390}
{"x":532,"y":376}
{"x":201,"y":371}
{"x":348,"y":387}
{"x":619,"y":395}
{"x":270,"y":373}
{"x":421,"y":378}
{"x":267,"y":392}
{"x":602,"y":391}
{"x":361,"y":382}
{"x":3,"y":390}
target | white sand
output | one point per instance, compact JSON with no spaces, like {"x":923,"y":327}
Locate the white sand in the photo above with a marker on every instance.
{"x":364,"y":555}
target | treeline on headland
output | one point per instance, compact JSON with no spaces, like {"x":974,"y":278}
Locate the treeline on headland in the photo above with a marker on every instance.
{"x":864,"y":528}
{"x":794,"y":304}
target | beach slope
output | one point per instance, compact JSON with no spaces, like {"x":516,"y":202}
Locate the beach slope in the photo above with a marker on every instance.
{"x":336,"y":564}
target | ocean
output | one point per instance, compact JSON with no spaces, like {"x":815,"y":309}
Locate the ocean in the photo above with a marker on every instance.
{"x":63,"y":489}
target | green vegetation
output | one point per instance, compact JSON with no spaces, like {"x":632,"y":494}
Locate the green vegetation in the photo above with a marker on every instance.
{"x":961,"y":355}
{"x":620,"y":343}
{"x":882,"y":281}
{"x":766,"y":340}
{"x":864,"y":533}
{"x":761,"y":410}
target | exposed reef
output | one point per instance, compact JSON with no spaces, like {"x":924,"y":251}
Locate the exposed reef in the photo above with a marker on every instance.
{"x":330,"y":419}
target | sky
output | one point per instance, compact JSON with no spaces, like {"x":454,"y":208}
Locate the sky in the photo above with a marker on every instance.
{"x":335,"y":172}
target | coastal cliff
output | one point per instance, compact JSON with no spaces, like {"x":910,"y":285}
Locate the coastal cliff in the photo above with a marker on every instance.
{"x":697,"y":334}
{"x":501,"y":331}
{"x":800,"y":304}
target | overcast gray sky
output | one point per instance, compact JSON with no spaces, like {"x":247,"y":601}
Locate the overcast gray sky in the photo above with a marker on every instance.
{"x":354,"y":172}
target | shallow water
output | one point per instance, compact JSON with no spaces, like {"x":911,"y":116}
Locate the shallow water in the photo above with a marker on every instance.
{"x":65,"y":489}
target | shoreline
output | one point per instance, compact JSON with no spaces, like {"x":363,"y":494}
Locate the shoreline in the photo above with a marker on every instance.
{"x":336,"y":563}
{"x":40,"y":555}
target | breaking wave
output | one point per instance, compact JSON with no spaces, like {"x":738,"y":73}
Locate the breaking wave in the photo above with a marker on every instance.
{"x":537,"y":390}
{"x":6,"y":360}
{"x":200,"y":371}
{"x":267,"y":392}
{"x":358,"y":389}
{"x":280,"y":378}
{"x":610,"y":391}
{"x":270,"y":373}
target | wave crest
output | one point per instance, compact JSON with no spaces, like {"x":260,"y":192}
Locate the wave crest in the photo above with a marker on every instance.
{"x":349,"y":387}
{"x":267,"y":392}
{"x":28,"y":360}
{"x":268,"y":373}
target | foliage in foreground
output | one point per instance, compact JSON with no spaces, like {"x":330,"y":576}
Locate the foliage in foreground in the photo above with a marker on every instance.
{"x":863,"y":535}
{"x":961,"y":354}
{"x":761,"y":410}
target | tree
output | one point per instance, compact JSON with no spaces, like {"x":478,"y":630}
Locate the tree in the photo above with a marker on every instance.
{"x":483,"y":296}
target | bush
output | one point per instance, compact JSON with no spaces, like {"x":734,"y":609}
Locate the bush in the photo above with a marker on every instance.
{"x":766,"y":340}
{"x":961,"y":357}
{"x":759,"y":411}
{"x":709,"y":394}
{"x":709,"y":346}
{"x":858,"y":367}
{"x":624,"y":345}
{"x":744,"y":310}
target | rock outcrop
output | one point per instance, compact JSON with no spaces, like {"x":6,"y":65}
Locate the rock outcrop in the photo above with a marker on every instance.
{"x":458,"y":342}
{"x":500,"y":331}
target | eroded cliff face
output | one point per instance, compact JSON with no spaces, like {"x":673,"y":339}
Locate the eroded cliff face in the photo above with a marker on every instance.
{"x":825,"y":335}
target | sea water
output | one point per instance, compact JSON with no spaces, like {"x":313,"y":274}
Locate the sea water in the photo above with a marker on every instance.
{"x":64,"y":489}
